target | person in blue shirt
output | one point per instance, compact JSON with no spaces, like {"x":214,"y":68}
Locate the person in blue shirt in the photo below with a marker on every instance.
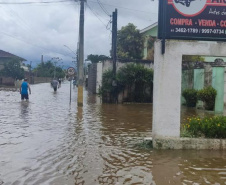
{"x":24,"y":89}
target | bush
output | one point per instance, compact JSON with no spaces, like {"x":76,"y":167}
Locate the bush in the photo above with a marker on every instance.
{"x":138,"y":80}
{"x":208,"y":95}
{"x":190,"y":96}
{"x":214,"y":127}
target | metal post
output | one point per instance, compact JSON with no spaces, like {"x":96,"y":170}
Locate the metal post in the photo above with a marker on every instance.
{"x":70,"y":89}
{"x":81,"y":55}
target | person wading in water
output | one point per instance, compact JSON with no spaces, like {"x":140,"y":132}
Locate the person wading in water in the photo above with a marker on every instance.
{"x":54,"y":84}
{"x":24,"y":90}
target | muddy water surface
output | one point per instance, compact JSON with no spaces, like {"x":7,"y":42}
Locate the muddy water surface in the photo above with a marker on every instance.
{"x":48,"y":141}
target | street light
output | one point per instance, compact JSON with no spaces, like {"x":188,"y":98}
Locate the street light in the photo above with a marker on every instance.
{"x":76,"y":57}
{"x":56,"y":59}
{"x":70,"y":49}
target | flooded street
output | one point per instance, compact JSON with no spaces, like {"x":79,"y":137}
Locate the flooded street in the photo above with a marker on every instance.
{"x":48,"y":141}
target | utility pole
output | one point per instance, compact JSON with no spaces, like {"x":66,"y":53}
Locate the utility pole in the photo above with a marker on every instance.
{"x":114,"y":40}
{"x":114,"y":54}
{"x":81,"y":55}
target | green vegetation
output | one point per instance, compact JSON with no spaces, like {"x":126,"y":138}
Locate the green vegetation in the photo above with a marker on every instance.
{"x":150,"y":42}
{"x":13,"y":69}
{"x":192,"y":58}
{"x":134,"y":78}
{"x":107,"y":83}
{"x":190,"y":96}
{"x":96,"y":58}
{"x":46,"y":69}
{"x":138,"y":80}
{"x":129,"y":43}
{"x":208,"y":95}
{"x":214,"y":127}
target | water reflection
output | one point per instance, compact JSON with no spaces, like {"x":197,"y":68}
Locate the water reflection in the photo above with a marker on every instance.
{"x":49,"y":141}
{"x":24,"y":107}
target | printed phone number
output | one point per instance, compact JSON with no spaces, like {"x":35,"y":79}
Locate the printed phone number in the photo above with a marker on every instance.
{"x":196,"y":30}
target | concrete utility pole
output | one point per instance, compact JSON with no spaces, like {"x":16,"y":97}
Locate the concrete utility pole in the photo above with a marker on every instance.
{"x":114,"y":39}
{"x":114,"y":53}
{"x":81,"y":55}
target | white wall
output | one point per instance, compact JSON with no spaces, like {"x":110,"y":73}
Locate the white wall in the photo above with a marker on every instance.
{"x":107,"y":65}
{"x":99,"y":76}
{"x":167,"y":81}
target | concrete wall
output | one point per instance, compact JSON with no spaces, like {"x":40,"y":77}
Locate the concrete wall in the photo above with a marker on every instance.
{"x":95,"y":73}
{"x":99,"y":76}
{"x":42,"y":80}
{"x":107,"y":65}
{"x":167,"y":81}
{"x":8,"y":81}
{"x":92,"y":76}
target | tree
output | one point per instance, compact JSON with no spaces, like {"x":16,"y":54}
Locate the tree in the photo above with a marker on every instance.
{"x":138,"y":80}
{"x":192,"y":58}
{"x":96,"y":58}
{"x":129,"y":43}
{"x":47,"y":70}
{"x":12,"y":68}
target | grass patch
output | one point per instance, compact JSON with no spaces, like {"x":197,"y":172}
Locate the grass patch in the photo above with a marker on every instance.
{"x":214,"y":127}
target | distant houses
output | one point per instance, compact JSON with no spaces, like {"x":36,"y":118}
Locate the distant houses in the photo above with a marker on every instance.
{"x":6,"y":57}
{"x":150,"y":35}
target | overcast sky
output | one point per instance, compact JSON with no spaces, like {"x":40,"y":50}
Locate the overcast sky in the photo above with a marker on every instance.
{"x":35,"y":29}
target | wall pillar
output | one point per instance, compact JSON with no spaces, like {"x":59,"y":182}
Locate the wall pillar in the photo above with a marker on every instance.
{"x":166,"y":94}
{"x":199,"y":80}
{"x":218,"y":84}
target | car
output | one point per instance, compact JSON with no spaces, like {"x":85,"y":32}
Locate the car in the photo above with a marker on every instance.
{"x":184,"y":2}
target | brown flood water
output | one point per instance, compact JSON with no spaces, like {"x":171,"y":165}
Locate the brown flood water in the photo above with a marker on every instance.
{"x":48,"y":141}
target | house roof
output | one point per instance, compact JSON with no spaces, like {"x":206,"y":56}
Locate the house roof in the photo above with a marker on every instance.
{"x":4,"y":54}
{"x":149,"y":27}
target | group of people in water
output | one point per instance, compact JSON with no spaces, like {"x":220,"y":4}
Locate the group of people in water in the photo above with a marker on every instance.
{"x":25,"y":88}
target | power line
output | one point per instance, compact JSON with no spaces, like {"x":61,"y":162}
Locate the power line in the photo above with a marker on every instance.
{"x":96,"y":15}
{"x":16,"y":15}
{"x":43,"y":48}
{"x":102,"y":7}
{"x":115,"y":6}
{"x":40,"y":2}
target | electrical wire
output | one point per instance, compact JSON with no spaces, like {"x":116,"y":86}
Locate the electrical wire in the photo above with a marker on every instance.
{"x":35,"y":45}
{"x":96,"y":15}
{"x":102,"y":7}
{"x":14,"y":14}
{"x":123,"y":7}
{"x":40,"y":2}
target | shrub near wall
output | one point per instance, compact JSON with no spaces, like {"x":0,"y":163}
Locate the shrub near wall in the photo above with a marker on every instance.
{"x":208,"y":95}
{"x":138,"y":80}
{"x":135,"y":78}
{"x":190,"y":96}
{"x":214,"y":127}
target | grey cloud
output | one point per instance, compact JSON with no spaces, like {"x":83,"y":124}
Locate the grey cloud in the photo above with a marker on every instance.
{"x":32,"y":30}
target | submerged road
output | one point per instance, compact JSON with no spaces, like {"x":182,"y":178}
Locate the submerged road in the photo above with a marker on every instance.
{"x":48,"y":141}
